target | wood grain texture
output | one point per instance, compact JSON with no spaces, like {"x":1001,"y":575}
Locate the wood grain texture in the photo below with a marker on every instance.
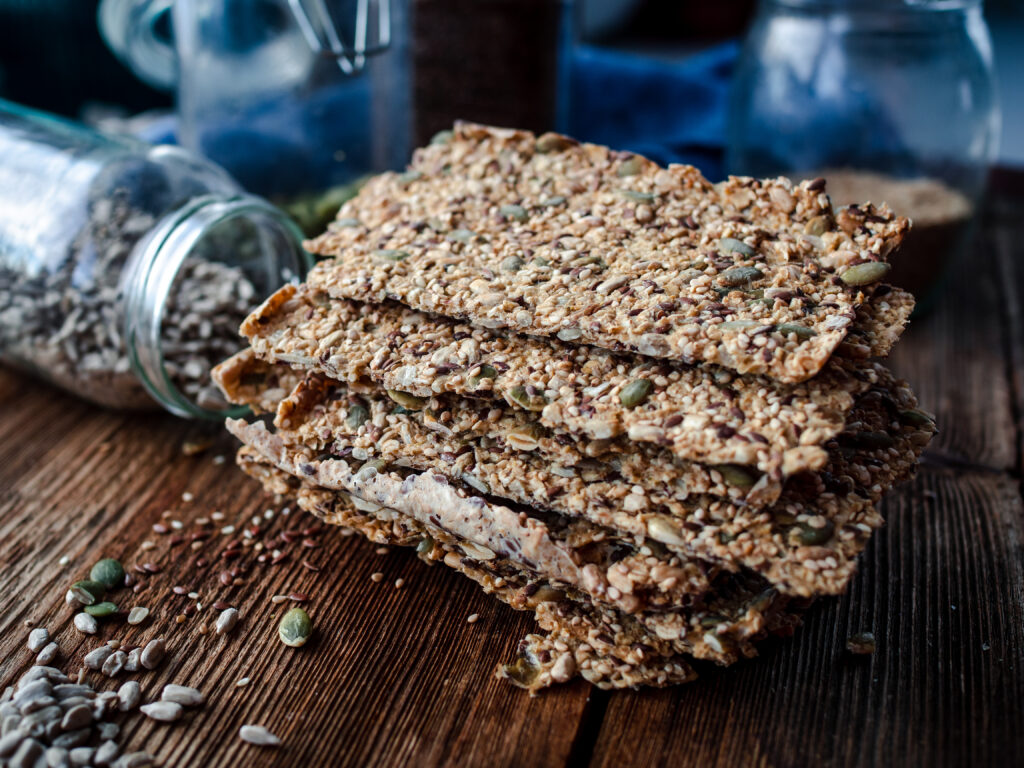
{"x":398,"y":677}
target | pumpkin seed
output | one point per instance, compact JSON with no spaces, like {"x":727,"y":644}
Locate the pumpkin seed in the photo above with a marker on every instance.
{"x":732,"y":245}
{"x":511,"y":264}
{"x":425,"y":546}
{"x":630,"y":167}
{"x":540,"y":261}
{"x":347,"y":223}
{"x":817,"y":226}
{"x":407,"y":400}
{"x":390,"y":254}
{"x":410,"y":176}
{"x":736,"y":474}
{"x":801,"y":331}
{"x":522,"y":672}
{"x":639,"y":197}
{"x":461,"y":235}
{"x":552,"y":201}
{"x":295,"y":628}
{"x":861,"y":643}
{"x":811,"y":536}
{"x":916,"y":418}
{"x":553,"y":142}
{"x":740,"y":275}
{"x":516,"y":212}
{"x":866,"y":273}
{"x":442,"y":137}
{"x":99,"y":610}
{"x":635,"y":393}
{"x":485,"y":371}
{"x":357,"y":416}
{"x":88,"y":592}
{"x":108,"y":572}
{"x":520,"y":397}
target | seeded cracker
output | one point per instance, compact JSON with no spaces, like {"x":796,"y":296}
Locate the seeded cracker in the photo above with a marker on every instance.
{"x":701,"y":414}
{"x":551,"y":237}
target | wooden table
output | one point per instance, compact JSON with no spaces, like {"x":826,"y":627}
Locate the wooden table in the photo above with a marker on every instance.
{"x":399,"y":677}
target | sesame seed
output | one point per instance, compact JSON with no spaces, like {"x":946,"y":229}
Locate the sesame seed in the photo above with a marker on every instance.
{"x":382,"y":550}
{"x":472,"y":618}
{"x":242,"y":683}
{"x":64,"y":560}
{"x":187,"y":496}
{"x":227,"y":530}
{"x":399,"y":583}
{"x":278,"y":599}
{"x":377,"y":577}
{"x":177,"y":525}
{"x":148,"y":545}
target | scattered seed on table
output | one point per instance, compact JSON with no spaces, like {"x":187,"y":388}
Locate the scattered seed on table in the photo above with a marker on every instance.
{"x":100,"y":610}
{"x":187,"y":496}
{"x":242,"y":683}
{"x":227,"y":530}
{"x":48,"y":654}
{"x":278,"y":599}
{"x":298,"y":597}
{"x":160,"y":528}
{"x":114,"y":664}
{"x":377,"y":577}
{"x":147,"y":545}
{"x":128,"y":696}
{"x":153,"y":653}
{"x":78,"y":716}
{"x":95,"y":658}
{"x":64,"y":560}
{"x":472,"y":619}
{"x":295,"y":628}
{"x":182,"y":694}
{"x":220,"y":605}
{"x":164,"y":711}
{"x":310,"y":566}
{"x":226,"y":621}
{"x":399,"y":583}
{"x":85,"y":623}
{"x":108,"y":572}
{"x":38,"y":638}
{"x":137,"y":615}
{"x":106,"y":753}
{"x":382,"y":550}
{"x":88,"y":592}
{"x":134,"y":661}
{"x":258,"y":735}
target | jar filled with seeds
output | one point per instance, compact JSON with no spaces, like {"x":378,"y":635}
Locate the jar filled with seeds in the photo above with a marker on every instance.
{"x":126,"y":269}
{"x":890,"y":101}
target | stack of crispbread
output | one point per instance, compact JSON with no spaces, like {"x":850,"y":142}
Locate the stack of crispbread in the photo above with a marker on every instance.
{"x":642,"y":405}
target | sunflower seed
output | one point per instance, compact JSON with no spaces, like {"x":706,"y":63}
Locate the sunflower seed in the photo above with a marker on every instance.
{"x":109,"y":730}
{"x":85,"y":623}
{"x":48,"y":654}
{"x":105,"y":753}
{"x":96,"y":658}
{"x":634,"y":393}
{"x":226,"y":621}
{"x":134,"y":760}
{"x":128,"y":696}
{"x":37,"y":639}
{"x":108,"y":572}
{"x":181,"y":694}
{"x":77,"y":717}
{"x":295,"y":628}
{"x":164,"y":711}
{"x":9,"y":742}
{"x":153,"y":653}
{"x":56,"y":757}
{"x":866,"y":273}
{"x":73,"y":739}
{"x":639,"y":197}
{"x":134,"y":661}
{"x":661,"y":529}
{"x":114,"y":664}
{"x":81,"y":756}
{"x":258,"y":735}
{"x":27,"y":753}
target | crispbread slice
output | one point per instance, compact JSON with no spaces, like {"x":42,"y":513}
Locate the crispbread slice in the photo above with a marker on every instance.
{"x":551,"y":237}
{"x":702,"y":414}
{"x":741,"y":610}
{"x":805,"y":544}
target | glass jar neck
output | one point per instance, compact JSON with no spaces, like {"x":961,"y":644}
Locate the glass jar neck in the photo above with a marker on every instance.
{"x":872,"y":6}
{"x":270,"y":254}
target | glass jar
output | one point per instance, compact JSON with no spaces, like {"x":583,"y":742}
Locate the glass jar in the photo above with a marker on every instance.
{"x":289,"y":96}
{"x":126,"y":269}
{"x":890,"y":100}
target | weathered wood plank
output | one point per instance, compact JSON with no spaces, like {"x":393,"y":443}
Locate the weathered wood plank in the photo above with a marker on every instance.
{"x":393,"y":676}
{"x":942,"y":588}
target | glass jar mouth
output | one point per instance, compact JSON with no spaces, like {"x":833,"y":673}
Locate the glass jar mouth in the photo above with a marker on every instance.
{"x":157,"y":262}
{"x":886,"y":6}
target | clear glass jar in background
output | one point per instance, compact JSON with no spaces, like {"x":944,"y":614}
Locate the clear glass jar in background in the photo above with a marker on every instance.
{"x":126,"y":269}
{"x":890,"y":100}
{"x":289,"y":96}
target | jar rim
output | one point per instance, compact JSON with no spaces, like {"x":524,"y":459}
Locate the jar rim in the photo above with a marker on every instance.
{"x":896,"y":6}
{"x":154,"y":266}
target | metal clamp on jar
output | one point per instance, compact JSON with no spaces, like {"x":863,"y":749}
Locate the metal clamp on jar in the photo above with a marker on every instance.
{"x":126,"y":269}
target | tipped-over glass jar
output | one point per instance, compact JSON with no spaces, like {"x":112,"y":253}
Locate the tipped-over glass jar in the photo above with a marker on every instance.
{"x":126,"y":269}
{"x":890,"y":100}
